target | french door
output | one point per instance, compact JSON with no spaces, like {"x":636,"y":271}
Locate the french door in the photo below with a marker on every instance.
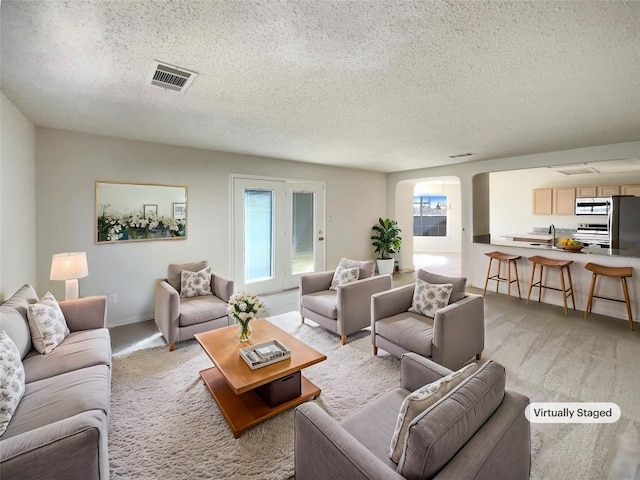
{"x":278,"y":228}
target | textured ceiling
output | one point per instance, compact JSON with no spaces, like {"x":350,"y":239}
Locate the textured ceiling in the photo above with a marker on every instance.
{"x":381,"y":85}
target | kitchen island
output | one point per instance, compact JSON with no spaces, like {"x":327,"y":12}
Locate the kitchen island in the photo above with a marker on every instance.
{"x":581,"y":277}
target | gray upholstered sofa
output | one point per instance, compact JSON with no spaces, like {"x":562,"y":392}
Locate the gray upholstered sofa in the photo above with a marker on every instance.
{"x":344,"y":310}
{"x":59,"y":429}
{"x":477,"y":431}
{"x":180,"y":318}
{"x":451,"y":338}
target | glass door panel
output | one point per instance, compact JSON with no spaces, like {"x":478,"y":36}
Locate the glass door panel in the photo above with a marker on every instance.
{"x":302,"y":238}
{"x":258,"y":231}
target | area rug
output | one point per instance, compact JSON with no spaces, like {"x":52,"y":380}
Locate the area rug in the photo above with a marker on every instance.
{"x":163,"y":422}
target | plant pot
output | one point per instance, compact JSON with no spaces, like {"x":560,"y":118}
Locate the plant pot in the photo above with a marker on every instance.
{"x":385,"y":265}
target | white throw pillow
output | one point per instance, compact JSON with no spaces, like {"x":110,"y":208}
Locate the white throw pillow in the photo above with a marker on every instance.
{"x":342,"y":276}
{"x":47,"y":324}
{"x":11,"y":380}
{"x":417,"y":402}
{"x":195,"y":284}
{"x":429,"y":298}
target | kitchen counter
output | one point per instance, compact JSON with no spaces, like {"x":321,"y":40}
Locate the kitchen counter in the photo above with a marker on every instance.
{"x":541,"y":245}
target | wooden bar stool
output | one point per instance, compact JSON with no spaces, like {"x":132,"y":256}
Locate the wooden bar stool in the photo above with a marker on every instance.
{"x":561,"y":265}
{"x":612,"y":272}
{"x":511,"y":260}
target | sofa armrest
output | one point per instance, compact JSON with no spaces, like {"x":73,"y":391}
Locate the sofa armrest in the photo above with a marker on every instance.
{"x":390,"y":303}
{"x":86,"y":313}
{"x":315,"y":282}
{"x":74,"y":448}
{"x":222,"y":286}
{"x":323,"y":449}
{"x":354,"y":302}
{"x":458,"y":332}
{"x":417,"y":371}
{"x":167,"y":310}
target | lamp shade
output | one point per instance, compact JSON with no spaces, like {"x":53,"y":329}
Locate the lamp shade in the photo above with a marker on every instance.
{"x":68,"y":266}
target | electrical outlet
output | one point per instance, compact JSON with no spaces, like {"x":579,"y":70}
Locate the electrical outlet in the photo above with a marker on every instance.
{"x":113,"y":298}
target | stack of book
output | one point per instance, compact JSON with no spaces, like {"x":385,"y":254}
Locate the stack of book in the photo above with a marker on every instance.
{"x":264,"y":354}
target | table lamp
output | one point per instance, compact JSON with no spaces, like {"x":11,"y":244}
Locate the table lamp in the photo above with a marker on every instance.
{"x":69,"y":267}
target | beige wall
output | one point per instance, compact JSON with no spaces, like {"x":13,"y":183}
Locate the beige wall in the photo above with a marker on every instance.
{"x":69,"y":163}
{"x":17,"y":200}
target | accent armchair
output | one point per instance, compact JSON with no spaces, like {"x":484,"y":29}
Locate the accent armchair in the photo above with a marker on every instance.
{"x":344,"y":310}
{"x":179,"y":317}
{"x":478,"y":430}
{"x":451,"y":338}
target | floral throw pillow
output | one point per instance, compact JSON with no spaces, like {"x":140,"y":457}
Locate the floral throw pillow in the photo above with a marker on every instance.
{"x":195,"y":284}
{"x":417,"y":402}
{"x":429,"y":298}
{"x":47,"y":324}
{"x":11,"y":380}
{"x":342,"y":276}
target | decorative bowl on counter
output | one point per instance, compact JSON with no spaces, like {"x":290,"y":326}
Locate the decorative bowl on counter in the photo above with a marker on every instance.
{"x":572,"y":248}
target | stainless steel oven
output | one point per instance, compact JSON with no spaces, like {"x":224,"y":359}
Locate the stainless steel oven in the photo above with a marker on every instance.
{"x":593,"y":206}
{"x":593,"y":234}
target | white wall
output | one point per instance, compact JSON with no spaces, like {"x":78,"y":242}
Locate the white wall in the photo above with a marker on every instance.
{"x":68,"y":164}
{"x":511,"y":198}
{"x":17,"y":200}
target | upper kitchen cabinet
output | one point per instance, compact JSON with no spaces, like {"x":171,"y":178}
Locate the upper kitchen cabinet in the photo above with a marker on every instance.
{"x":631,"y":190}
{"x":542,"y":201}
{"x":564,"y":201}
{"x":586,"y":192}
{"x":608,"y":191}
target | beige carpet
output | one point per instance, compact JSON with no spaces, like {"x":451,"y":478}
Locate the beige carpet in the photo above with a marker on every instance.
{"x":164,"y":423}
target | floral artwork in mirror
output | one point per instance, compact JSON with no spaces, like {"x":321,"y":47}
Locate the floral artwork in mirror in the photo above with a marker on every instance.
{"x":133,"y":212}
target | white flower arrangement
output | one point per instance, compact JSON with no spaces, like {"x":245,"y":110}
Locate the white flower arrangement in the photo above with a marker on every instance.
{"x":113,"y":227}
{"x":245,"y":307}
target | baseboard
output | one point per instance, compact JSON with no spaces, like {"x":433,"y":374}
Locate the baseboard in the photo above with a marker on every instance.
{"x":129,"y":321}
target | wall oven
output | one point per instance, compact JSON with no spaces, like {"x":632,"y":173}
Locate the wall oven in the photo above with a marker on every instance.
{"x":593,"y":206}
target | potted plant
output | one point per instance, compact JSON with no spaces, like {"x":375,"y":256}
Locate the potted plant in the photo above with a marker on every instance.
{"x":387,"y":241}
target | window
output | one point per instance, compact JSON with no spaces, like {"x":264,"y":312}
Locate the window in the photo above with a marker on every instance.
{"x":430,"y":216}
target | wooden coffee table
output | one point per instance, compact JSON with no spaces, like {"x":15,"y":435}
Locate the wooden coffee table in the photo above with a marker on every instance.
{"x":233,"y":384}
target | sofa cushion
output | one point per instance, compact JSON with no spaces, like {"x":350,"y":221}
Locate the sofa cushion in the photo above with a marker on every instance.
{"x":81,"y":349}
{"x":13,"y":318}
{"x":437,"y":434}
{"x":417,"y":402}
{"x":47,"y":324}
{"x":459,"y":283}
{"x":174,"y":270}
{"x":367,"y":267}
{"x":11,"y":380}
{"x":373,"y":425}
{"x":324,"y":302}
{"x":428,"y":298}
{"x":195,"y":284}
{"x":194,"y":310}
{"x":342,"y":276}
{"x":63,"y":396}
{"x":411,"y":330}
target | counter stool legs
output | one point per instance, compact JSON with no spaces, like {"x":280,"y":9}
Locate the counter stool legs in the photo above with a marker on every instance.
{"x":561,"y":265}
{"x":612,"y":272}
{"x":509,"y":260}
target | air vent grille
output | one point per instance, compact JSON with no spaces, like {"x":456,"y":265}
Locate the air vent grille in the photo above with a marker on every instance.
{"x":469,"y":154}
{"x":170,"y":77}
{"x":578,"y":171}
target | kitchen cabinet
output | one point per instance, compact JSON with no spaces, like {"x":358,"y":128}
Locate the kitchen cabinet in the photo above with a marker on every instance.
{"x":542,"y":201}
{"x":608,"y":191}
{"x":564,"y":201}
{"x":631,"y":190}
{"x":586,"y":191}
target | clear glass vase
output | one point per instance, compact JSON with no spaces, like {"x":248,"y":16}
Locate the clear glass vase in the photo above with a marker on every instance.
{"x":244,"y":331}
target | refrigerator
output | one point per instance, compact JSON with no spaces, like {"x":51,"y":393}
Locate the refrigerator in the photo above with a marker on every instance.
{"x":624,"y":222}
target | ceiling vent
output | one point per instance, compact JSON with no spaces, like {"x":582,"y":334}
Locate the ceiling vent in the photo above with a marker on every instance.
{"x":578,"y":171}
{"x":170,"y":77}
{"x":459,"y":155}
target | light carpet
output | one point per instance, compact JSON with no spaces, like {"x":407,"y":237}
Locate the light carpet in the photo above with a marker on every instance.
{"x":163,"y":422}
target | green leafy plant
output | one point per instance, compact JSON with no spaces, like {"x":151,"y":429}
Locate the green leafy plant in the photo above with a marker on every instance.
{"x":386,"y":239}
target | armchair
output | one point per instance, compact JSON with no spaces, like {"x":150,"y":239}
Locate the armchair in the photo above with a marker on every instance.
{"x":451,"y":338}
{"x":180,"y":318}
{"x":477,"y":431}
{"x":344,"y":310}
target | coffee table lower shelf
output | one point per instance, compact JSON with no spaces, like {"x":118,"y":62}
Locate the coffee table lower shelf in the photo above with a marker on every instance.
{"x":248,"y":409}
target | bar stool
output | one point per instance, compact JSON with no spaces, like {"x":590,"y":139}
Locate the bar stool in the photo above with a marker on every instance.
{"x":612,"y":272}
{"x":511,"y":260}
{"x":561,"y":265}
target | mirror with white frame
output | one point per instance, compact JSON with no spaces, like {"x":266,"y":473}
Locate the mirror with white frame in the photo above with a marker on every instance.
{"x":127,"y":212}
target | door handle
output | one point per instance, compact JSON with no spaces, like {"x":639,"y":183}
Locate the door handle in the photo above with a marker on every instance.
{"x":320,"y":236}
